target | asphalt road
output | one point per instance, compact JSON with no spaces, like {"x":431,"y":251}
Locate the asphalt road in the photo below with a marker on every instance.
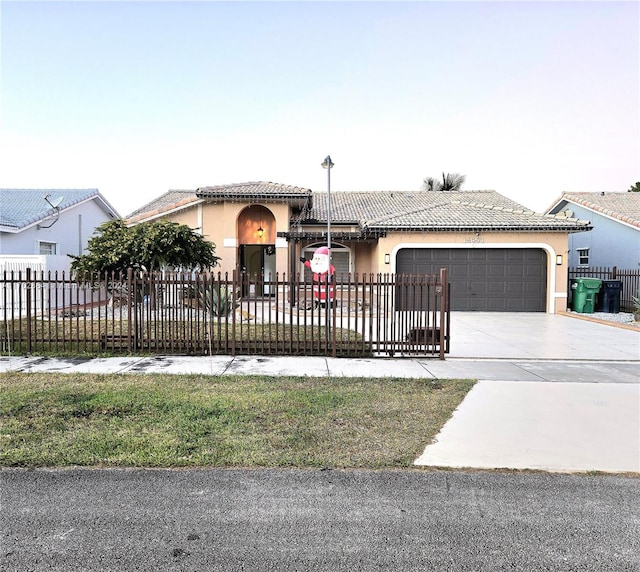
{"x":160,"y":520}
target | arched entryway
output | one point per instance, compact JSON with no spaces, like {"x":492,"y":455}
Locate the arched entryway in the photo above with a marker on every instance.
{"x":256,"y":248}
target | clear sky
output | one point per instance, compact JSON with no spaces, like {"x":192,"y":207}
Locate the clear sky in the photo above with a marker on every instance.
{"x":135,"y":98}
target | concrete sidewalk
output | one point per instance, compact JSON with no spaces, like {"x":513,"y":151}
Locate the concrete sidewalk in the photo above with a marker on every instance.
{"x":620,"y":372}
{"x":554,"y":393}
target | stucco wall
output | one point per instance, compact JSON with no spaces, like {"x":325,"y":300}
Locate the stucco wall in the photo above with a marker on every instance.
{"x":610,"y":242}
{"x":219,"y":224}
{"x":552,"y":243}
{"x":188,"y":216}
{"x":70,"y":233}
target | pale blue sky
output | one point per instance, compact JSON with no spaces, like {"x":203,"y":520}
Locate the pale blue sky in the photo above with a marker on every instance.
{"x":134,"y":98}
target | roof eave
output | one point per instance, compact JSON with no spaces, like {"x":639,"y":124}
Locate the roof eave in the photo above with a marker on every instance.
{"x":336,"y":235}
{"x":485,"y":228}
{"x":598,"y":210}
{"x":295,"y":199}
{"x":161,"y":212}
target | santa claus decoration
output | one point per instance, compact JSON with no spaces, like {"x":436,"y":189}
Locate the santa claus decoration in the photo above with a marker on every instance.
{"x":323,"y":272}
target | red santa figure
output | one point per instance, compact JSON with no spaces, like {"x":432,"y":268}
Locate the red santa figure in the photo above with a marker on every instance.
{"x":323,"y":271}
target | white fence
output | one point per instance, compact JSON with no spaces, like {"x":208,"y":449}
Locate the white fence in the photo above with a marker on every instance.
{"x":12,"y":297}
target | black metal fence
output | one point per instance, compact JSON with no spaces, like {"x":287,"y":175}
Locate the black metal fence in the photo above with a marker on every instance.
{"x":630,"y":279}
{"x":212,"y":313}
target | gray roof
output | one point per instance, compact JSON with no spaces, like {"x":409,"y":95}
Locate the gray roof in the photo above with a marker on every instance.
{"x":435,"y":210}
{"x":20,"y":208}
{"x":168,"y":201}
{"x":375,"y":212}
{"x":624,"y":207}
{"x":258,"y":190}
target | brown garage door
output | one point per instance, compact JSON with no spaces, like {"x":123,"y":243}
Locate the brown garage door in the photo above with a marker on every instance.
{"x":485,"y":279}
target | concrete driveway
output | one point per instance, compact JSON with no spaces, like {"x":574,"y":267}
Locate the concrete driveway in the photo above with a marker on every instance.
{"x":540,"y":336}
{"x":579,"y":410}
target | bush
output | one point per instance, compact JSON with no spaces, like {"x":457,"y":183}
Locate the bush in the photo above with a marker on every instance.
{"x":217,"y":299}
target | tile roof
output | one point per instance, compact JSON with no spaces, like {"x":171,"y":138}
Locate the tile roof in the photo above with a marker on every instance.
{"x":624,"y":207}
{"x":433,"y":210}
{"x":20,"y":208}
{"x":256,"y":189}
{"x":169,"y":201}
{"x":377,"y":211}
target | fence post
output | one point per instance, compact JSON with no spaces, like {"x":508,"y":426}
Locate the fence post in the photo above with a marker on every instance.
{"x":28,"y":308}
{"x":614,"y":273}
{"x":129,"y":300}
{"x":332,"y":304}
{"x":237,"y":285}
{"x":444,"y":280}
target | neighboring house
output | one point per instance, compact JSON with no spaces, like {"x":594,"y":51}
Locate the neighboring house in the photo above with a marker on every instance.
{"x":500,"y":255}
{"x":615,"y":237}
{"x":39,"y":228}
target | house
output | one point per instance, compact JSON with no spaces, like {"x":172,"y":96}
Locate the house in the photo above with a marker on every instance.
{"x":615,"y":237}
{"x":40,"y":227}
{"x":500,"y":255}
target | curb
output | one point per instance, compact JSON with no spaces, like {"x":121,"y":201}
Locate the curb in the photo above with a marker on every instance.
{"x":587,"y":318}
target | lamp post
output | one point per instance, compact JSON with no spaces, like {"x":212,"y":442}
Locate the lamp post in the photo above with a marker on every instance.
{"x":327,"y":164}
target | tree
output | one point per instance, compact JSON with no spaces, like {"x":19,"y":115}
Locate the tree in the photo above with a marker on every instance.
{"x":147,"y":246}
{"x":635,"y":188}
{"x":450,"y":182}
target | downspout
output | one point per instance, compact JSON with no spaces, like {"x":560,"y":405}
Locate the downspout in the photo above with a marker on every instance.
{"x":79,"y":235}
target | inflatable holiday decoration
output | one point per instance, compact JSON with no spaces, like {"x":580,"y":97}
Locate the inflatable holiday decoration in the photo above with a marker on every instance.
{"x":323,"y":272}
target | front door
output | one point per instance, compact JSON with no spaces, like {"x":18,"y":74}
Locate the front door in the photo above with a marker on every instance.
{"x":256,"y":261}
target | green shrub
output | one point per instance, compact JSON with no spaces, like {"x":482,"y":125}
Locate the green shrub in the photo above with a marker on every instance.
{"x":636,"y":303}
{"x":217,"y":299}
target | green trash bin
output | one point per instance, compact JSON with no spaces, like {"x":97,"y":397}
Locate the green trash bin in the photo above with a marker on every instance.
{"x":584,"y":294}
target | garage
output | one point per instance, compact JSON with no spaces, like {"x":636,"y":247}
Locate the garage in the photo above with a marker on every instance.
{"x":485,"y":279}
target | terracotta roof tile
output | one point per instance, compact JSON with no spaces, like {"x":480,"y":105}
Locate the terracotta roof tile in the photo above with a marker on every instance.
{"x":262,"y":189}
{"x":167,"y":202}
{"x":621,"y":206}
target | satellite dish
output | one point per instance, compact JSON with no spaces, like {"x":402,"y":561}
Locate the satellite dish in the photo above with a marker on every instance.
{"x":56,"y":203}
{"x":568,"y":213}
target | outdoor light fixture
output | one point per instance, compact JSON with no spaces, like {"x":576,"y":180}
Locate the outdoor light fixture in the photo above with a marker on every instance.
{"x":260,"y":229}
{"x":387,"y":258}
{"x":559,"y":259}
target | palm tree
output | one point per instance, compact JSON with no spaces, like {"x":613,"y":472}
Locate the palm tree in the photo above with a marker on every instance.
{"x":450,"y":182}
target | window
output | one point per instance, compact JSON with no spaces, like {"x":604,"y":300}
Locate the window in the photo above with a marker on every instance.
{"x":583,"y":256}
{"x":47,"y":248}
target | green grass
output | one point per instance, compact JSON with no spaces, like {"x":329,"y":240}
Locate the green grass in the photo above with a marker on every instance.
{"x":80,"y":337}
{"x":228,"y":421}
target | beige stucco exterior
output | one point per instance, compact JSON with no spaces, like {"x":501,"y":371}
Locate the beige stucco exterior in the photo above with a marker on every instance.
{"x":370,"y":256}
{"x":553,"y":243}
{"x":229,"y":225}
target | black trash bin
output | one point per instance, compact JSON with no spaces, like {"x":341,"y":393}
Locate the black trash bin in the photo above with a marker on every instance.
{"x":609,"y":297}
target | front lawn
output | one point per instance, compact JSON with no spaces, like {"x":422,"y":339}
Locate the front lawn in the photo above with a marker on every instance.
{"x":130,"y":420}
